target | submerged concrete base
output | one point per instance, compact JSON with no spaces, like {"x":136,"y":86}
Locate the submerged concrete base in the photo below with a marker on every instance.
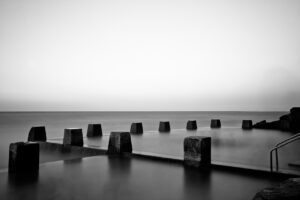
{"x":215,"y":123}
{"x":136,"y":128}
{"x":94,"y":130}
{"x":37,"y":133}
{"x":247,"y":124}
{"x":119,"y":143}
{"x":288,"y":190}
{"x":197,"y":151}
{"x":23,"y":157}
{"x":73,"y":136}
{"x":164,"y":126}
{"x":191,"y":125}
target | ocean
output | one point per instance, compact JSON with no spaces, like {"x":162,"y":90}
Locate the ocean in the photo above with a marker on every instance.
{"x":229,"y":143}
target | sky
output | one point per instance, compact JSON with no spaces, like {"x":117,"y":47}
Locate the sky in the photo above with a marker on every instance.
{"x":149,"y":55}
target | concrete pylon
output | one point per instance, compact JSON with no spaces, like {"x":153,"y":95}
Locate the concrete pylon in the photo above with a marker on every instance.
{"x":136,"y":128}
{"x":247,"y":124}
{"x":23,"y":157}
{"x":94,"y":130}
{"x":73,"y":137}
{"x":197,"y":151}
{"x":215,"y":123}
{"x":119,"y":143}
{"x":191,"y":125}
{"x":37,"y":133}
{"x":164,"y":126}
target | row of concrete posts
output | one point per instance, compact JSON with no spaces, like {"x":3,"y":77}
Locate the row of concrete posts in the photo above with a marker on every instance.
{"x":73,"y":136}
{"x":24,"y":156}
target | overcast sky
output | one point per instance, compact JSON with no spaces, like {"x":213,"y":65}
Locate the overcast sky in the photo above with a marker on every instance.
{"x":149,"y":55}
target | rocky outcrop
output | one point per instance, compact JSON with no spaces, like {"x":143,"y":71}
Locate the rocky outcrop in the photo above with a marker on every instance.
{"x":191,"y":125}
{"x":288,"y":190}
{"x":288,"y":122}
{"x":23,"y":157}
{"x":37,"y":133}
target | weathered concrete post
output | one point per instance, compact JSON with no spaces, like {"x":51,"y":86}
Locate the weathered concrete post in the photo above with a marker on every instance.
{"x":23,"y":157}
{"x":37,"y":133}
{"x":136,"y":128}
{"x":73,"y":136}
{"x":215,"y":123}
{"x":197,"y":151}
{"x":247,"y":124}
{"x":119,"y":143}
{"x":191,"y":125}
{"x":164,"y":126}
{"x":94,"y":130}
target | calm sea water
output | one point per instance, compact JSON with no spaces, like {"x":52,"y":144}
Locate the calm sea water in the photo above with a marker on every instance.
{"x":230,"y":143}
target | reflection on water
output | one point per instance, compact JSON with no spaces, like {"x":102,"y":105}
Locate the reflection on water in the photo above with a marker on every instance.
{"x":20,"y":179}
{"x":196,"y":182}
{"x":112,"y":178}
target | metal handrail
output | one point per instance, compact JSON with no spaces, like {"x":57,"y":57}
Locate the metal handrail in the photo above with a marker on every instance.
{"x":298,"y":134}
{"x":280,"y":145}
{"x":276,"y":151}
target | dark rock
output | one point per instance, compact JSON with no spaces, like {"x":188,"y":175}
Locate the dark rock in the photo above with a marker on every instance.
{"x":94,"y":130}
{"x":197,"y":151}
{"x":267,"y":125}
{"x":285,"y":117}
{"x":247,"y":124}
{"x":288,"y":122}
{"x":23,"y":157}
{"x":119,"y":143}
{"x":260,"y":124}
{"x":285,"y":125}
{"x":164,"y":127}
{"x":215,"y":123}
{"x":295,"y":119}
{"x":37,"y":133}
{"x":136,"y":128}
{"x":191,"y":125}
{"x":73,"y":136}
{"x":288,"y":190}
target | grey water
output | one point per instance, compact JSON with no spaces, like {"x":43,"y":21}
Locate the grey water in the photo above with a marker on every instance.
{"x":230,"y":144}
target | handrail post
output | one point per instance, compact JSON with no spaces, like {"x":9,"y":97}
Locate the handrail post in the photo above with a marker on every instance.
{"x":276,"y":153}
{"x":271,"y":161}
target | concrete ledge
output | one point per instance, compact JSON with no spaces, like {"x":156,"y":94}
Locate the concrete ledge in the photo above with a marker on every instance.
{"x":78,"y":150}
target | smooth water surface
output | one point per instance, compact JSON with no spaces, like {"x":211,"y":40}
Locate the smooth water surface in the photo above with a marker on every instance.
{"x":110,"y":178}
